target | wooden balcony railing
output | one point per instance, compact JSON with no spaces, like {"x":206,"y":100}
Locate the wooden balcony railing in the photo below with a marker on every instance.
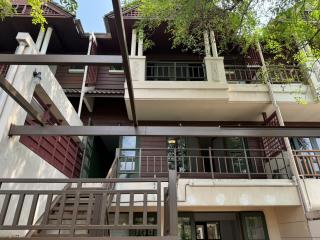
{"x":82,"y":207}
{"x":202,"y":163}
{"x":253,"y":74}
{"x":308,"y":163}
{"x":175,"y":71}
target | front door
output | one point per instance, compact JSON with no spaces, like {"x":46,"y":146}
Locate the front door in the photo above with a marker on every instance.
{"x":208,"y":231}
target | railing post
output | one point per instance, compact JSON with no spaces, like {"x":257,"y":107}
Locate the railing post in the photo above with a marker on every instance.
{"x":140,"y":156}
{"x":173,"y":211}
{"x":211,"y":163}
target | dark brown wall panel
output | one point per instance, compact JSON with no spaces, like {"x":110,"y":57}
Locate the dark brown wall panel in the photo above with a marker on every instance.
{"x":155,"y":159}
{"x":107,"y":80}
{"x":68,"y":80}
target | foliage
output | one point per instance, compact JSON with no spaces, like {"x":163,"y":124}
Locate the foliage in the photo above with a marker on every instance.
{"x":5,"y":9}
{"x":186,"y":20}
{"x":37,"y":13}
{"x":284,"y":26}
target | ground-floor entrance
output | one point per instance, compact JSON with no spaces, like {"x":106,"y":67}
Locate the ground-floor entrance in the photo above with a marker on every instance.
{"x":222,"y":226}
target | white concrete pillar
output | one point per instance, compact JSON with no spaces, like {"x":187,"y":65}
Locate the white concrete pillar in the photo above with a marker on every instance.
{"x":46,"y":41}
{"x":133,"y":42}
{"x":40,"y":39}
{"x":213,"y":44}
{"x":206,"y":43}
{"x":24,"y":43}
{"x":140,"y":44}
{"x":13,"y":68}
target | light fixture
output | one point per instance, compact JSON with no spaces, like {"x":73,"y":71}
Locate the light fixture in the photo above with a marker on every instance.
{"x":172,"y":141}
{"x":37,"y":76}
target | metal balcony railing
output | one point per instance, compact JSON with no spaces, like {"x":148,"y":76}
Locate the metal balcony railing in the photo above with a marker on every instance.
{"x":82,"y":207}
{"x":308,"y":163}
{"x":202,"y":163}
{"x":243,"y":74}
{"x":175,"y":71}
{"x":253,"y":74}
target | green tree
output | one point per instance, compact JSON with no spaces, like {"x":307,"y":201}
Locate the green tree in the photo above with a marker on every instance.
{"x":280,"y":24}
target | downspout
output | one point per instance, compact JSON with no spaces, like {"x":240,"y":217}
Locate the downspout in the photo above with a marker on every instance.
{"x":85,"y":75}
{"x":296,"y":178}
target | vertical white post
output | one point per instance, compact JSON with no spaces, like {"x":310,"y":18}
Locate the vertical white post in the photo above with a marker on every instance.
{"x":293,"y":166}
{"x":40,"y":39}
{"x":133,"y":42}
{"x":213,"y":44}
{"x":13,"y":68}
{"x":206,"y":43}
{"x":11,"y":74}
{"x":140,"y":44}
{"x":46,"y":41}
{"x":84,"y":79}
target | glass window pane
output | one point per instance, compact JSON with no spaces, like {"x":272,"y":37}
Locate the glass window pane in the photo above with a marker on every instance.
{"x":200,"y":231}
{"x":213,"y":230}
{"x":254,"y":228}
{"x":184,"y":228}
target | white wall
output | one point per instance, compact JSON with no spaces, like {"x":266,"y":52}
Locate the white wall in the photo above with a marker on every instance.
{"x":16,"y":160}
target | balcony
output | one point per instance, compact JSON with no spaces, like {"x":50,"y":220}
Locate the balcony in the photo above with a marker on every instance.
{"x":175,"y":71}
{"x":214,"y":91}
{"x":203,"y":163}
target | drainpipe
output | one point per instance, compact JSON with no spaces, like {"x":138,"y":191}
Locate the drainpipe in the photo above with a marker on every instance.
{"x":84,"y":79}
{"x":293,"y":167}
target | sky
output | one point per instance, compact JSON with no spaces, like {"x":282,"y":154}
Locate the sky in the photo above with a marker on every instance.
{"x":91,"y":13}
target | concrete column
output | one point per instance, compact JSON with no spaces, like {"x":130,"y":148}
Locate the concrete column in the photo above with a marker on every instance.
{"x":133,"y":42}
{"x":140,"y":44}
{"x":40,"y":39}
{"x":213,"y":44}
{"x":13,"y":68}
{"x":12,"y":72}
{"x":46,"y":41}
{"x":206,"y":44}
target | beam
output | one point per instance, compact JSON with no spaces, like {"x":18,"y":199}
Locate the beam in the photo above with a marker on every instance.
{"x":31,"y":59}
{"x":12,"y":92}
{"x":163,"y":131}
{"x":125,"y":56}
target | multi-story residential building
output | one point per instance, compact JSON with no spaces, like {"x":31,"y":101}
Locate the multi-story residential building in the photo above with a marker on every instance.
{"x":194,"y":168}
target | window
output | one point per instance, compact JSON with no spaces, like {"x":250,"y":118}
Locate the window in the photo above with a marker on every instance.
{"x":237,"y":157}
{"x":116,"y":69}
{"x":129,"y":157}
{"x":184,"y":228}
{"x":254,"y":226}
{"x":76,"y":69}
{"x":177,"y":148}
{"x":138,"y":220}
